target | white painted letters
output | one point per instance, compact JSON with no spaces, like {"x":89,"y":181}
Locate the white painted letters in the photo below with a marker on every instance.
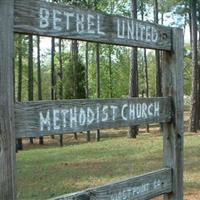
{"x":132,"y":111}
{"x":123,"y":112}
{"x":79,"y":23}
{"x":44,"y":18}
{"x":120,"y":29}
{"x":105,"y":114}
{"x":91,"y":24}
{"x":64,"y":113}
{"x":68,"y":16}
{"x":45,"y":121}
{"x":56,"y":20}
{"x":156,"y":109}
{"x":114,"y":112}
{"x":154,"y":35}
{"x":138,"y":110}
{"x":144,"y":111}
{"x":99,"y":32}
{"x":97,"y":117}
{"x":90,"y":116}
{"x":150,"y":112}
{"x":148,"y":33}
{"x":56,"y":119}
{"x":131,"y":30}
{"x":82,"y":117}
{"x":75,"y":117}
{"x":136,"y":191}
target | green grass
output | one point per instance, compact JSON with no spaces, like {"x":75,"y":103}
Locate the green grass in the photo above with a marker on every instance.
{"x":192,"y":163}
{"x":50,"y":172}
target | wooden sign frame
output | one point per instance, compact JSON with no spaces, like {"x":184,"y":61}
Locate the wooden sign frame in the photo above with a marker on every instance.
{"x":24,"y":16}
{"x":57,"y":20}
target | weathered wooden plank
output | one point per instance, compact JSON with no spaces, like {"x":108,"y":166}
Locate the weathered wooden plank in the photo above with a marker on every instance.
{"x":173,"y":132}
{"x":59,"y":117}
{"x":137,"y":188}
{"x":48,"y":19}
{"x":7,"y":132}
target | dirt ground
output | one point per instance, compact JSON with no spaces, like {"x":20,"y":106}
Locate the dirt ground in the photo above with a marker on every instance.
{"x":191,"y":196}
{"x":195,"y":196}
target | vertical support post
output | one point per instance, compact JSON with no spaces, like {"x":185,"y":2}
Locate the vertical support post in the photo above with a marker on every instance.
{"x":7,"y":133}
{"x":173,"y":132}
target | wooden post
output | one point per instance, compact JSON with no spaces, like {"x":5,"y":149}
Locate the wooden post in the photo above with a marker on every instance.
{"x":173,"y":132}
{"x":106,"y":30}
{"x":7,"y":133}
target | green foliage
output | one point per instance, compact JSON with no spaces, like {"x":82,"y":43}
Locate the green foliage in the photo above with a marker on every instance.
{"x":78,"y":167}
{"x":50,"y":172}
{"x":23,"y":50}
{"x":70,"y":77}
{"x":187,"y":72}
{"x":118,"y":80}
{"x":120,"y":71}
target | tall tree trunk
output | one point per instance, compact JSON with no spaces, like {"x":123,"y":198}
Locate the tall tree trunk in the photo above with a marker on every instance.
{"x":145,"y":63}
{"x":199,"y":68}
{"x":60,"y":75}
{"x":98,"y":81}
{"x":41,"y":140}
{"x":110,"y":72}
{"x":53,"y":81}
{"x":87,"y":82}
{"x":86,"y":69}
{"x":19,"y":91}
{"x":162,"y":18}
{"x":133,"y":79}
{"x":146,"y":79}
{"x":195,"y":71}
{"x":146,"y":73}
{"x":30,"y":72}
{"x":157,"y":55}
{"x":97,"y":74}
{"x":158,"y":62}
{"x":74,"y":59}
{"x":39,"y":70}
{"x":190,"y":24}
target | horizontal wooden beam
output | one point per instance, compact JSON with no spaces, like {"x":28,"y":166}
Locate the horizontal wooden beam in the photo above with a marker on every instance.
{"x":68,"y":116}
{"x":137,"y":188}
{"x":57,"y":20}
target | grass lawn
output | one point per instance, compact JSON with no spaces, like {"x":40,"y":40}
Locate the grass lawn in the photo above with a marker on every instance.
{"x":53,"y":171}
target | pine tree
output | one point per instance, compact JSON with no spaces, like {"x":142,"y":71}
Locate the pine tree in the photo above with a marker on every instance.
{"x":133,"y":80}
{"x":195,"y":71}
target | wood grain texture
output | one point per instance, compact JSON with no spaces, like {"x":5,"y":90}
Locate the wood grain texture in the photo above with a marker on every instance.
{"x":7,"y":132}
{"x":67,"y":116}
{"x":136,"y":188}
{"x":64,"y":22}
{"x":173,"y":132}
